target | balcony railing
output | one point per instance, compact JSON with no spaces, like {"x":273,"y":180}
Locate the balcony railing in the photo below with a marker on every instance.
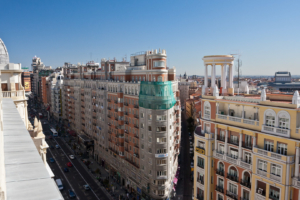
{"x":200,"y":180}
{"x":245,"y":183}
{"x":19,"y":94}
{"x":272,"y":155}
{"x":220,"y":172}
{"x":221,"y":138}
{"x":220,"y":189}
{"x":231,"y":195}
{"x":200,"y":197}
{"x":232,"y":141}
{"x":232,"y":177}
{"x":247,"y":145}
{"x":201,"y":165}
{"x":274,"y":197}
{"x":276,"y":131}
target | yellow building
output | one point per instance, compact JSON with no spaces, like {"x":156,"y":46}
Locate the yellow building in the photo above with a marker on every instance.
{"x":247,"y":147}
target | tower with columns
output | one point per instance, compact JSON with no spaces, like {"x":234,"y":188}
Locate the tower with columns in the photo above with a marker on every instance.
{"x":226,"y":62}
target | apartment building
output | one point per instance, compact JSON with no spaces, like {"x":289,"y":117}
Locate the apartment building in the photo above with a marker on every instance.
{"x":26,"y":81}
{"x":130,"y":112}
{"x":247,"y":147}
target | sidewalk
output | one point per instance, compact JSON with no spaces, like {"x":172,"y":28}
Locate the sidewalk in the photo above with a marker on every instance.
{"x":117,"y":189}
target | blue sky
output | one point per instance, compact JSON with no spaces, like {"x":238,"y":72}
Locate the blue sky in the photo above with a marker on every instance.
{"x":266,"y":32}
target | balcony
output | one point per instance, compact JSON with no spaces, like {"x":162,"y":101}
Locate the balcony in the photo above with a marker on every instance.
{"x":231,"y":195}
{"x":136,"y":116}
{"x":108,"y":100}
{"x":273,"y":155}
{"x":232,"y":141}
{"x":247,"y":145}
{"x":126,"y":104}
{"x":220,"y":172}
{"x":19,"y":94}
{"x":238,"y":119}
{"x":273,"y":197}
{"x":220,"y":189}
{"x":232,"y":158}
{"x":245,"y":183}
{"x":201,"y":165}
{"x":136,"y":106}
{"x":276,"y":131}
{"x":200,"y":180}
{"x":221,"y":138}
{"x":232,"y":177}
{"x":126,"y":113}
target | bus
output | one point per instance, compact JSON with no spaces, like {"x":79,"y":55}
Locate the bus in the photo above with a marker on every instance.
{"x":54,"y":132}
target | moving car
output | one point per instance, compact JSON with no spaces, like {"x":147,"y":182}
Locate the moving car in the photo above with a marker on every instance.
{"x":57,"y":146}
{"x":66,"y":169}
{"x":86,"y":187}
{"x":72,"y":157}
{"x":71,"y":193}
{"x":52,"y":160}
{"x":59,"y":184}
{"x":69,"y":164}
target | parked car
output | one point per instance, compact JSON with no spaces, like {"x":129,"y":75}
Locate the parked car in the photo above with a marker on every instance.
{"x":72,"y":157}
{"x":52,"y":160}
{"x":86,"y":187}
{"x":66,"y":169}
{"x":71,"y":193}
{"x":69,"y":164}
{"x":59,"y":184}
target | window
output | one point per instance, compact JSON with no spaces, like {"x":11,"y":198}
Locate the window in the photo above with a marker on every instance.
{"x":262,"y":165}
{"x":161,"y":173}
{"x":233,"y":172}
{"x":201,"y":145}
{"x":161,"y":162}
{"x":159,"y":151}
{"x":162,"y":128}
{"x":232,"y":188}
{"x":233,"y":153}
{"x":149,"y":117}
{"x":274,"y":193}
{"x":161,"y":140}
{"x":220,"y":183}
{"x":269,"y":145}
{"x":150,"y":150}
{"x":283,"y":123}
{"x":221,"y":149}
{"x":142,"y":115}
{"x":234,"y":139}
{"x":149,"y":128}
{"x":159,"y":64}
{"x":282,"y":148}
{"x":276,"y":170}
{"x":247,"y":158}
{"x":161,"y":117}
{"x":150,"y":139}
{"x":222,"y":135}
{"x":270,"y":120}
{"x":159,"y":79}
{"x":200,"y":162}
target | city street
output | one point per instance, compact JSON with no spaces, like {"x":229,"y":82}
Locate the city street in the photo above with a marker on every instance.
{"x":185,"y":185}
{"x":77,"y":176}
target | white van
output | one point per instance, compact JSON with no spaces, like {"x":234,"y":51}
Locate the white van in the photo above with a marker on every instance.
{"x":59,"y":184}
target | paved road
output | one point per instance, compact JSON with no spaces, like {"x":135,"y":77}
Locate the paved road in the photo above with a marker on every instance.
{"x":185,"y":185}
{"x":77,"y":175}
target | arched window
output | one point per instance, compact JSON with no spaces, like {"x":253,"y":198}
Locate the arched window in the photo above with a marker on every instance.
{"x":159,"y":79}
{"x":283,"y":120}
{"x":270,"y":118}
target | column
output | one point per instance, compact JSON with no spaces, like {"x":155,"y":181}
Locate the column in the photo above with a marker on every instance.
{"x":216,"y":134}
{"x":213,"y":76}
{"x":243,"y":113}
{"x":240,"y":146}
{"x":297,"y":163}
{"x":254,"y":141}
{"x":217,"y":109}
{"x":230,"y":76}
{"x":222,"y":69}
{"x":228,"y":109}
{"x":224,"y":76}
{"x":226,"y":141}
{"x":205,"y":79}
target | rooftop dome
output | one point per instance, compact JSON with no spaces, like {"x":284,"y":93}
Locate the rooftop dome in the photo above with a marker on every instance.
{"x":4,"y":58}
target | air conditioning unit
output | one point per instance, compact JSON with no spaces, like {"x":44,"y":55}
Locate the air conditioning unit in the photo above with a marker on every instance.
{"x":260,"y":191}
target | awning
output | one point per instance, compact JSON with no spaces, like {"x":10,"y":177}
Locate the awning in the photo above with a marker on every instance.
{"x":175,"y":180}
